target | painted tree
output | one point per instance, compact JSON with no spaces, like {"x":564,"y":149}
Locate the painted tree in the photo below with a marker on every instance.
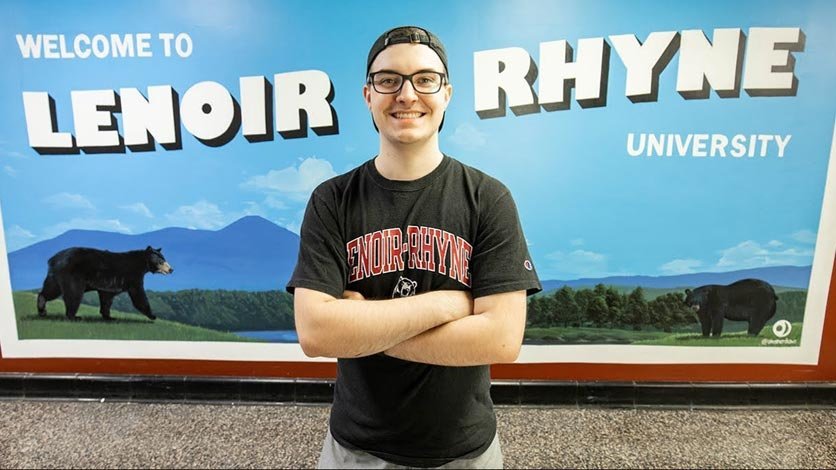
{"x":637,"y":312}
{"x":567,"y":312}
{"x":597,"y":311}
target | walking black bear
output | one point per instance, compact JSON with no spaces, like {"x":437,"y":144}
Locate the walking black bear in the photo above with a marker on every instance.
{"x":749,"y":300}
{"x":74,"y":271}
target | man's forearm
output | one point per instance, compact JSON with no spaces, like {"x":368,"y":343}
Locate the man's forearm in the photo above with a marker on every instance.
{"x":332,"y":327}
{"x":466,"y":342}
{"x":492,"y":335}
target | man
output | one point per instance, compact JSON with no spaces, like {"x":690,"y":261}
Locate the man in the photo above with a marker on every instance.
{"x":413,"y":272}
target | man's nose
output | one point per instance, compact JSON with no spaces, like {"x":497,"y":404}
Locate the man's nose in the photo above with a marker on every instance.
{"x":407,"y":92}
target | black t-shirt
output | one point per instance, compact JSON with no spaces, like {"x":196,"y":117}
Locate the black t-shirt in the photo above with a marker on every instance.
{"x":453,"y":229}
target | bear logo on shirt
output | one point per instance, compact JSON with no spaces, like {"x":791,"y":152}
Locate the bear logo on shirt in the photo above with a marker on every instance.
{"x":404,"y":288}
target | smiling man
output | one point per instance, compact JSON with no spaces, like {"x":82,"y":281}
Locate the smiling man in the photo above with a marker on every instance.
{"x":412,"y":272}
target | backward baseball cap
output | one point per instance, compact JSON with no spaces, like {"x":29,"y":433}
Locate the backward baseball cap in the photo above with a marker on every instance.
{"x":411,"y":35}
{"x":407,"y":34}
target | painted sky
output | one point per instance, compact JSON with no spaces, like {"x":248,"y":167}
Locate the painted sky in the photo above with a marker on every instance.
{"x":588,"y":208}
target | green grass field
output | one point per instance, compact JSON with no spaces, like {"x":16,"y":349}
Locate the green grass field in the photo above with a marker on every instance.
{"x":657,"y":338}
{"x":90,"y":325}
{"x":730,"y":339}
{"x":132,"y":326}
{"x":559,"y":335}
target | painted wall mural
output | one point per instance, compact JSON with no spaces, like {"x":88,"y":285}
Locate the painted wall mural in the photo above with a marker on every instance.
{"x":672,"y":164}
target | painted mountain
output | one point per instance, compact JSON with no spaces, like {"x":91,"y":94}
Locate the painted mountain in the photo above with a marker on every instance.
{"x":250,"y":254}
{"x":785,"y":276}
{"x":254,"y":254}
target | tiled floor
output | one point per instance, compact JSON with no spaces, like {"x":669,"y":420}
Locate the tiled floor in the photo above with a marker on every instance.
{"x":54,"y":434}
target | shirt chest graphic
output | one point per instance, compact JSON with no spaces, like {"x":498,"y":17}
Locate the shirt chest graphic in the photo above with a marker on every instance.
{"x":422,"y":248}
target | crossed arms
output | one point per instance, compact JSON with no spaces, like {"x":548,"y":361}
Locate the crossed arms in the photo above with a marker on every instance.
{"x":441,"y":327}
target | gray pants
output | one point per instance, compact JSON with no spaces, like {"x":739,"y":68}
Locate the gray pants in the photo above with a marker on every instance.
{"x":335,"y":455}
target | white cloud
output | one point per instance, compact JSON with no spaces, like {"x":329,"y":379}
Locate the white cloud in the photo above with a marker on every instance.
{"x":274,"y":202}
{"x":11,"y":153}
{"x":219,"y":15}
{"x":469,"y":137}
{"x":751,"y":254}
{"x":200,"y":215}
{"x":295,"y":224}
{"x":577,"y":263}
{"x":204,"y":215}
{"x":295,"y":183}
{"x":69,"y":201}
{"x":18,"y":237}
{"x":577,"y":242}
{"x":680,"y":266}
{"x":251,"y":208}
{"x":139,"y":208}
{"x":294,"y":227}
{"x":804,"y":236}
{"x":107,"y":225}
{"x":10,"y":171}
{"x":18,"y":231}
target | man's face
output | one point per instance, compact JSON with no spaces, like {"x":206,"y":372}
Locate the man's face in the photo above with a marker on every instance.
{"x":407,"y":117}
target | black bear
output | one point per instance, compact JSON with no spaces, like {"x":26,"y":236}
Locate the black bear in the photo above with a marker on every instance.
{"x":74,"y":271}
{"x":749,"y":300}
{"x":404,"y":288}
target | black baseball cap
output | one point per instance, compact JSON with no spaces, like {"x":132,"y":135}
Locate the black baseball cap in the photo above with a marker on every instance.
{"x":408,"y":34}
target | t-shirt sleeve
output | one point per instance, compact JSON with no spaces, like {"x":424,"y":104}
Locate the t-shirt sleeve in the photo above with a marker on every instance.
{"x":322,"y":263}
{"x":500,"y":261}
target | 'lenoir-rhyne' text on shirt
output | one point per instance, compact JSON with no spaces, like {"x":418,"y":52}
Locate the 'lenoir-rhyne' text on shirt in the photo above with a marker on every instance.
{"x":426,"y":248}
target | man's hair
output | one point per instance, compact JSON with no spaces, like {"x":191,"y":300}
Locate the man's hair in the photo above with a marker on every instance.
{"x":410,"y":35}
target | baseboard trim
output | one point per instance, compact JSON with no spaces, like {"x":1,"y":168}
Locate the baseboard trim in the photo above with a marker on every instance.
{"x":191,"y":389}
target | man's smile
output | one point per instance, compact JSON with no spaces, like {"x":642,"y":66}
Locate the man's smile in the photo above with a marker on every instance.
{"x":407,"y":114}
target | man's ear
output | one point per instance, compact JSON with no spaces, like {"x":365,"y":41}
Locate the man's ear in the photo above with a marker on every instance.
{"x":448,"y":95}
{"x":367,"y":96}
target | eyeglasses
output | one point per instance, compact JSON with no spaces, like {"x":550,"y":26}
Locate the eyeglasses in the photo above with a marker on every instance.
{"x":388,"y":83}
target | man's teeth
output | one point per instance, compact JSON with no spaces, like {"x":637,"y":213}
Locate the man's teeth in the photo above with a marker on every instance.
{"x":407,"y":115}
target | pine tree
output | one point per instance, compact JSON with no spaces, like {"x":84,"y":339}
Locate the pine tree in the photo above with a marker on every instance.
{"x":637,"y":312}
{"x":567,"y":312}
{"x":597,"y":312}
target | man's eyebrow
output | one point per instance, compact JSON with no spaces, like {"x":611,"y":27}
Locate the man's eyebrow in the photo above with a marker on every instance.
{"x":394,"y":71}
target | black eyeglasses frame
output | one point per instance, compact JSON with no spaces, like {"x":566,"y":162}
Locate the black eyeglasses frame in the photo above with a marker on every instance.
{"x":404,"y":78}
